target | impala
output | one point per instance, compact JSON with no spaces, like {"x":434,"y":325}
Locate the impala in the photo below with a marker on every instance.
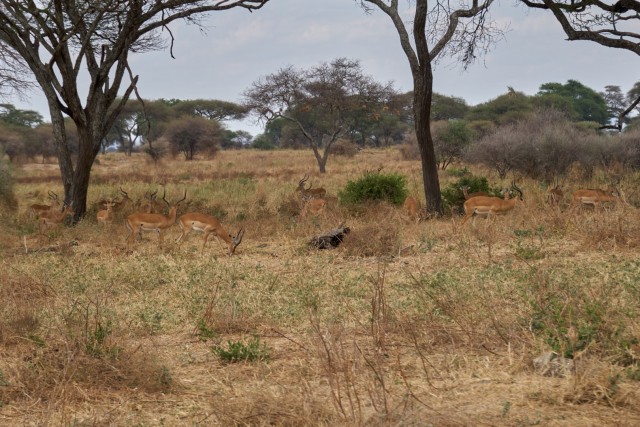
{"x":208,"y":225}
{"x":490,"y":206}
{"x":412,"y":207}
{"x":467,"y":195}
{"x":36,"y":210}
{"x":106,"y":215}
{"x":117,"y":206}
{"x":309,"y":193}
{"x":141,"y":221}
{"x":594,"y":197}
{"x":313,"y":206}
{"x":555,"y":194}
{"x":53,"y":218}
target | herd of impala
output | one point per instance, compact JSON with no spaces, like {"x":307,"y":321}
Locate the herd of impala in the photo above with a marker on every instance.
{"x":313,"y":201}
{"x":482,"y":204}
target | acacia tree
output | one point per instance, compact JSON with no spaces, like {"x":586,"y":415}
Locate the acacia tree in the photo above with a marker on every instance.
{"x":64,"y":43}
{"x":440,"y":28}
{"x":324,"y":103}
{"x":612,"y":24}
{"x":190,"y":135}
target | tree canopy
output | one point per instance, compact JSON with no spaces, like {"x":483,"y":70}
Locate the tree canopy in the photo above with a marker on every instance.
{"x":66,"y":43}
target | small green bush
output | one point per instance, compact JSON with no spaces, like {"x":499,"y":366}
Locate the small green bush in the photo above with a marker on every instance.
{"x":238,"y":351}
{"x":373,"y":186}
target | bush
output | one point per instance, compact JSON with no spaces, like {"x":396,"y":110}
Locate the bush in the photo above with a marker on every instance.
{"x":371,"y":186}
{"x":237,"y":351}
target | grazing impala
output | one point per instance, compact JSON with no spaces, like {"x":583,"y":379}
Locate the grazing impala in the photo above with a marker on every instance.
{"x":106,"y":215}
{"x":141,"y":221}
{"x":490,"y":206}
{"x":53,"y":218}
{"x":36,"y":210}
{"x":208,"y":225}
{"x":594,"y":197}
{"x":412,"y":207}
{"x":309,"y":193}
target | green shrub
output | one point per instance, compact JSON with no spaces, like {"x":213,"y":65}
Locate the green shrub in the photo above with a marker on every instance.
{"x":372,"y":186}
{"x":238,"y":351}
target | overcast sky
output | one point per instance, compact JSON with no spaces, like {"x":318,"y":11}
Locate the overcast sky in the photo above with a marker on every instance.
{"x":239,"y":47}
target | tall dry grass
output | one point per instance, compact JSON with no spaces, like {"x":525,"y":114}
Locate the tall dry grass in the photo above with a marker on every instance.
{"x":405,"y":323}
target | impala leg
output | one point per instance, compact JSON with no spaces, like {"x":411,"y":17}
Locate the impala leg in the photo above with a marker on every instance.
{"x":205,"y":238}
{"x":185,"y":231}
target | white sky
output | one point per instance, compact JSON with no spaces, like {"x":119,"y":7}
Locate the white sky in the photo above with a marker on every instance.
{"x":239,"y":47}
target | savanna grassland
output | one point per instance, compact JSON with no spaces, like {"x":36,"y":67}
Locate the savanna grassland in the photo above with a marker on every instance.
{"x":406,"y":323}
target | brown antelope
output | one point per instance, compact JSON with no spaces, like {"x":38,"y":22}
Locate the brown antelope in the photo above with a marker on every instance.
{"x":555,"y":194}
{"x":412,"y":207}
{"x":309,"y":193}
{"x":106,"y":215}
{"x":490,"y":206}
{"x":594,"y":197}
{"x":208,"y":225}
{"x":54,"y":219}
{"x":35,"y":210}
{"x":117,"y":206}
{"x":313,"y":206}
{"x":467,"y":195}
{"x":141,"y":221}
{"x":152,"y":205}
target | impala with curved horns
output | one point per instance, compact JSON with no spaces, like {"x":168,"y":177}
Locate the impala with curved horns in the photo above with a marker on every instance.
{"x":141,"y":221}
{"x":117,"y":206}
{"x":208,"y":225}
{"x":36,"y":210}
{"x":309,"y":193}
{"x":490,"y":206}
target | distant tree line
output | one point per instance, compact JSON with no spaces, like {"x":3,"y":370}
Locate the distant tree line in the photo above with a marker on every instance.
{"x":336,"y":108}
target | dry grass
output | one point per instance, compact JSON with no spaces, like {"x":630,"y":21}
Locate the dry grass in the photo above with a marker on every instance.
{"x":404,"y":324}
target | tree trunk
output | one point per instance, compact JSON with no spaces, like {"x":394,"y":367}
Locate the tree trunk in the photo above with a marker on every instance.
{"x":88,"y":150}
{"x":422,"y":95}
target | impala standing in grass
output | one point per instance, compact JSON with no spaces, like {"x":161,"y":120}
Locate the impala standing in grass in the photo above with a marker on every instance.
{"x":54,"y":219}
{"x":117,"y":206}
{"x":208,"y":225}
{"x":490,"y":206}
{"x":141,"y":221}
{"x":105,"y":216}
{"x":309,"y":193}
{"x":36,"y":210}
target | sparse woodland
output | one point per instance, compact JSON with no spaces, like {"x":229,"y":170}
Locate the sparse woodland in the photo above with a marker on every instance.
{"x":405,"y":323}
